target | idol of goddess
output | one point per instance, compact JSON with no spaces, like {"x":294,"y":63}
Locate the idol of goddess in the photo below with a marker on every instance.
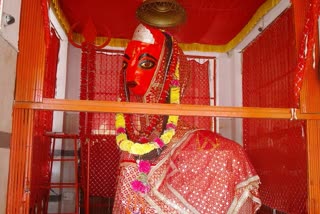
{"x":167,"y":167}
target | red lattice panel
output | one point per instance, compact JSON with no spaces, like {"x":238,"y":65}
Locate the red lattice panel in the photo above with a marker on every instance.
{"x":104,"y":160}
{"x":99,"y":82}
{"x":277,"y":148}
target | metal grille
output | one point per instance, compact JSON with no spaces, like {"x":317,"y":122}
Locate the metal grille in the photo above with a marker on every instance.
{"x":277,"y":148}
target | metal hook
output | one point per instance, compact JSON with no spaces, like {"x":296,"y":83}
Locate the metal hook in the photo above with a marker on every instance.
{"x":293,"y":114}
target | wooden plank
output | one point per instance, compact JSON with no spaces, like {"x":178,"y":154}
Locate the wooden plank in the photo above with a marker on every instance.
{"x":165,"y":109}
{"x":313,"y":145}
{"x":29,"y":86}
{"x":32,"y":51}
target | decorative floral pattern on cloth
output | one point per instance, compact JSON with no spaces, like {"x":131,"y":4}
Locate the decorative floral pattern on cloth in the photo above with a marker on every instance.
{"x":202,"y":172}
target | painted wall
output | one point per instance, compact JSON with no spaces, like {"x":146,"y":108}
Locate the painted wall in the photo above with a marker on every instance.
{"x":8,"y":58}
{"x":229,"y":93}
{"x":73,"y":74}
{"x":10,"y":33}
{"x":4,"y":169}
{"x":9,"y":36}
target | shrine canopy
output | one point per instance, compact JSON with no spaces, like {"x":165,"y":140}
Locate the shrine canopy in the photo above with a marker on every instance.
{"x":210,"y":22}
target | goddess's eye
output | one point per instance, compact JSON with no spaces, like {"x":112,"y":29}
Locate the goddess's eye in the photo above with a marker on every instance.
{"x":146,"y":64}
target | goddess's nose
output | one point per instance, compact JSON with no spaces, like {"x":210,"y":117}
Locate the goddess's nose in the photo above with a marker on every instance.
{"x":132,"y":84}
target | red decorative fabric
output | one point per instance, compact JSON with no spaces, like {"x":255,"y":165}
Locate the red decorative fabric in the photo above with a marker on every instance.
{"x":198,"y":92}
{"x":201,"y":173}
{"x":307,"y":47}
{"x":277,"y":148}
{"x":268,"y":66}
{"x":50,"y":78}
{"x":41,"y":147}
{"x":104,"y":164}
{"x":99,"y":81}
{"x":208,"y":22}
{"x":46,"y":22}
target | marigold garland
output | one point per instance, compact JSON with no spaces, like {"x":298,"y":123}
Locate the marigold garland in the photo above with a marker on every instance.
{"x":140,"y":149}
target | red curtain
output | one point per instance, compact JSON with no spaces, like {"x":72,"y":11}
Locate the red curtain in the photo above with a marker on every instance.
{"x":51,"y":66}
{"x":99,"y":81}
{"x":43,"y":123}
{"x":277,"y":148}
{"x":198,"y":92}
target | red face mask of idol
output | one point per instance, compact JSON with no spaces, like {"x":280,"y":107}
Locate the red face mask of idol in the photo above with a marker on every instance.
{"x":141,"y":59}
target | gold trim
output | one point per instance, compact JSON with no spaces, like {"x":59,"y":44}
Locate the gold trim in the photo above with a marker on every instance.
{"x":78,"y":38}
{"x":263,"y":9}
{"x":60,"y":15}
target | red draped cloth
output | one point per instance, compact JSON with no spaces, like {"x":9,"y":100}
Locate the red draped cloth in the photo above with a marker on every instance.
{"x":201,"y":172}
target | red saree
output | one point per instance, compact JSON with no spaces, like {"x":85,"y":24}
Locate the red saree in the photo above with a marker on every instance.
{"x":202,"y":172}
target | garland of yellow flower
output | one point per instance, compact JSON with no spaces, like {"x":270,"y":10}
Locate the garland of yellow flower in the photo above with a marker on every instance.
{"x":140,"y":149}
